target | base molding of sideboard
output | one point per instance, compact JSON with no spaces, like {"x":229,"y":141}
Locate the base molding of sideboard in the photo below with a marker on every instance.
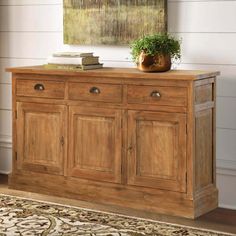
{"x":206,"y":201}
{"x":145,"y":199}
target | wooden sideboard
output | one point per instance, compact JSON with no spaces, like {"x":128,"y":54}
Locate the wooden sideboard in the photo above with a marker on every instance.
{"x":117,"y":136}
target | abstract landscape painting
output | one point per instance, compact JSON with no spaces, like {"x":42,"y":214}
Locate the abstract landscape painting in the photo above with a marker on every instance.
{"x":112,"y":22}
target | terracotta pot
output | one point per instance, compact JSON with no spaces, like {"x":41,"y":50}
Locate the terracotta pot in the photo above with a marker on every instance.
{"x":158,"y":63}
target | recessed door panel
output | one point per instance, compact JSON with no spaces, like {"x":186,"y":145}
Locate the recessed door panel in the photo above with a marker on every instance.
{"x":157,"y":150}
{"x":41,"y":137}
{"x":95,"y":146}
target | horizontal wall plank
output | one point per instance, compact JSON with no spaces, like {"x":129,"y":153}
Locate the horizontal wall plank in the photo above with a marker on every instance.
{"x":225,"y":112}
{"x":31,"y":18}
{"x":30,"y":2}
{"x":5,"y":123}
{"x":29,"y":45}
{"x":225,"y":144}
{"x":185,"y":16}
{"x":41,"y":45}
{"x":123,"y":64}
{"x":182,"y":16}
{"x":226,"y":87}
{"x":227,"y":194}
{"x":105,"y":52}
{"x":5,"y":154}
{"x":208,"y":48}
{"x":202,"y":16}
{"x":5,"y":77}
{"x":5,"y":97}
{"x":227,"y":167}
{"x":196,"y":48}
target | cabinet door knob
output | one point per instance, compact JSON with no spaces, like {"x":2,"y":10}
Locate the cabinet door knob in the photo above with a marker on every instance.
{"x":155,"y":94}
{"x":95,"y":90}
{"x":39,"y":87}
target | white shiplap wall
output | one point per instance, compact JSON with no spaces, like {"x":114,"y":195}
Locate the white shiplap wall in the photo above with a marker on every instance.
{"x":30,"y":30}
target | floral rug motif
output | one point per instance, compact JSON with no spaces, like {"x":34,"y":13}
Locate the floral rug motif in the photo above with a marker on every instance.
{"x":20,"y":217}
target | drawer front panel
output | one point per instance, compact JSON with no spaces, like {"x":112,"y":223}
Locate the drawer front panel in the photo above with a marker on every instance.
{"x":204,"y":94}
{"x":155,"y":95}
{"x":43,"y":89}
{"x":95,"y":92}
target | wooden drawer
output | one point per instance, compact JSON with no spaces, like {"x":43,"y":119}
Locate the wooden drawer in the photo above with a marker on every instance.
{"x":204,"y":93}
{"x":40,"y":88}
{"x":156,"y":95}
{"x":95,"y":92}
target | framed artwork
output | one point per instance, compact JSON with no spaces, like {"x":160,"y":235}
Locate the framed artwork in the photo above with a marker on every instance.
{"x":112,"y":22}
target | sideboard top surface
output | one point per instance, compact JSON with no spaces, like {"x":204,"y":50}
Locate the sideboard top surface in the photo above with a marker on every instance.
{"x":118,"y":73}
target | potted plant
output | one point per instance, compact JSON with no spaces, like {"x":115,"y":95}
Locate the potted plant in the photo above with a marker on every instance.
{"x":154,"y":52}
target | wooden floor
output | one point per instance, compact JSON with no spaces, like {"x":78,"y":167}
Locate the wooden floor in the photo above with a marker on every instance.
{"x":219,"y":219}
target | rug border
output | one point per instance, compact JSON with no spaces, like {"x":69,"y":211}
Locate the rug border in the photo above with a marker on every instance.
{"x":125,"y":216}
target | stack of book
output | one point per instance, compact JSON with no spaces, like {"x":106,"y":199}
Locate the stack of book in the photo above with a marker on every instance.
{"x":73,"y":61}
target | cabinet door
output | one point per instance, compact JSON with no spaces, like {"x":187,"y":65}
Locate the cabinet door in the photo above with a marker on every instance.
{"x":157,"y":150}
{"x":41,"y":137}
{"x":95,"y":144}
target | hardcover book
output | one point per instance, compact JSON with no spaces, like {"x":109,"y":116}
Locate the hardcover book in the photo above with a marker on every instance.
{"x":73,"y":67}
{"x":73,"y":54}
{"x":73,"y":60}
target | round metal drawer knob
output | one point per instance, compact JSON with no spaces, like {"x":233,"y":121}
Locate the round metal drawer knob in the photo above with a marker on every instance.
{"x":155,"y":94}
{"x":95,"y":90}
{"x":39,"y":87}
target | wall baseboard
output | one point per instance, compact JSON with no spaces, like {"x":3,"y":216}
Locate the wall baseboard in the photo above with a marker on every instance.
{"x":5,"y":154}
{"x":3,"y":172}
{"x":227,"y":206}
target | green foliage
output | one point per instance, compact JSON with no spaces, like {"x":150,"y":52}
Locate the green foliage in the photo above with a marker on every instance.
{"x":156,"y":44}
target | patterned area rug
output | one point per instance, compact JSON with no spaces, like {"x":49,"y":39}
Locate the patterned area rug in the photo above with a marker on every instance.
{"x":20,"y":216}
